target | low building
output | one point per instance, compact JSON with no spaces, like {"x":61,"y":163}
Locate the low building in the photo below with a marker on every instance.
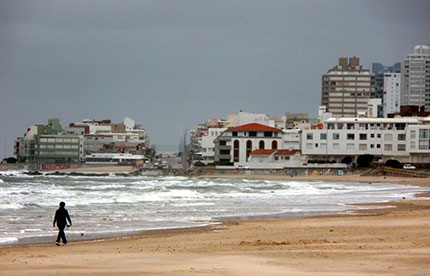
{"x":235,"y":144}
{"x":385,"y":138}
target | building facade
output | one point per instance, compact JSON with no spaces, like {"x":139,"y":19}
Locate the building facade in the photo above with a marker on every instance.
{"x":391,"y":98}
{"x":379,"y":70}
{"x":235,"y":144}
{"x":415,"y":77}
{"x":347,"y":87}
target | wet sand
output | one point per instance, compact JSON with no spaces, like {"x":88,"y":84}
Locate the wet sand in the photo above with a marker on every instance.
{"x":391,"y":241}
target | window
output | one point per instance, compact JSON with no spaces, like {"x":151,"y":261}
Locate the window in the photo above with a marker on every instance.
{"x":316,"y":145}
{"x":424,"y":133}
{"x":362,"y":147}
{"x":234,"y":133}
{"x":423,"y":144}
{"x":378,"y":146}
{"x":401,"y":137}
{"x":336,"y":146}
{"x":223,"y":143}
{"x":339,"y":126}
{"x":388,"y":137}
{"x":350,"y":146}
{"x":253,"y":133}
{"x":413,"y":134}
{"x":412,"y":145}
{"x":363,"y":136}
{"x":274,"y":145}
{"x":323,"y":136}
{"x":350,"y":136}
{"x":309,"y":136}
{"x":401,"y":147}
{"x":388,"y":147}
{"x":372,"y":146}
{"x":267,"y":134}
{"x":349,"y":126}
{"x":372,"y":135}
{"x":378,"y":135}
{"x":261,"y":145}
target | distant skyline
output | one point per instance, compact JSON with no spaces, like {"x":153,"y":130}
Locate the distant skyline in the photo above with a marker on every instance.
{"x":172,"y":64}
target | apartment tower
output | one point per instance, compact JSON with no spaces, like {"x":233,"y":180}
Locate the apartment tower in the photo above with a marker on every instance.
{"x":391,"y":97}
{"x":347,"y":87}
{"x":415,"y":77}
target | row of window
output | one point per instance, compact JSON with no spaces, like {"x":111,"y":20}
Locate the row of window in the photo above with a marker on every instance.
{"x":59,"y":140}
{"x":69,"y":153}
{"x":361,"y":147}
{"x":56,"y":146}
{"x":397,"y":126}
{"x":361,"y":136}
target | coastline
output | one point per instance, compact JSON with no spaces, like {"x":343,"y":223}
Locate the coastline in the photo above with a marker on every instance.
{"x":235,"y":247}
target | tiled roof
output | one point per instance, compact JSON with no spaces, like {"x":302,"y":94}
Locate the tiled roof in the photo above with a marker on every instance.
{"x":262,"y":152}
{"x":287,"y":152}
{"x":318,"y":126}
{"x":256,"y":127}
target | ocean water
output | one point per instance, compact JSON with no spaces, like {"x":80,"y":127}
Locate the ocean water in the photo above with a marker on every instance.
{"x":109,"y":206}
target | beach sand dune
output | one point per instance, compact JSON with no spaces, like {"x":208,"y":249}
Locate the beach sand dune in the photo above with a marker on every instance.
{"x":392,"y":241}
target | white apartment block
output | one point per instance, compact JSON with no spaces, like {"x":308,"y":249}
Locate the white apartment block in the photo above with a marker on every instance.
{"x":405,"y":139}
{"x":415,"y":77}
{"x":208,"y":145}
{"x":391,"y":93}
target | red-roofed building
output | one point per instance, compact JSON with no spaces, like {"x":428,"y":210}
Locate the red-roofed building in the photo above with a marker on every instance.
{"x":236,"y":143}
{"x":254,"y":127}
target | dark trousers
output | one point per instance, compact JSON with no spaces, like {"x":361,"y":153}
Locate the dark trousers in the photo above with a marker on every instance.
{"x":61,"y":234}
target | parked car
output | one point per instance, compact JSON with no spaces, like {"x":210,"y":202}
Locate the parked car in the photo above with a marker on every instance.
{"x":241,"y":167}
{"x":409,"y":167}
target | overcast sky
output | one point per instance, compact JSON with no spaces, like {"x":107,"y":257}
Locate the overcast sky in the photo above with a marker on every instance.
{"x":172,"y":64}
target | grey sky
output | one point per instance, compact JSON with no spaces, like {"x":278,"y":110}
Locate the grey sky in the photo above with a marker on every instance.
{"x":172,"y":64}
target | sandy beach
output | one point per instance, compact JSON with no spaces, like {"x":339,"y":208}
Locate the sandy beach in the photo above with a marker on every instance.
{"x":389,"y":241}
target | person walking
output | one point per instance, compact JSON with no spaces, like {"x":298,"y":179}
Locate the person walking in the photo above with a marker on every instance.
{"x":61,"y":218}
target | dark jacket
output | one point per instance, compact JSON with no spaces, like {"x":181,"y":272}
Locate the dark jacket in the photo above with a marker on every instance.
{"x":60,"y":217}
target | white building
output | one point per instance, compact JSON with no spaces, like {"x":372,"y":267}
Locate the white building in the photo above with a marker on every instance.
{"x":391,"y":93}
{"x":235,"y":144}
{"x":415,"y":77}
{"x":208,"y":145}
{"x":385,"y":138}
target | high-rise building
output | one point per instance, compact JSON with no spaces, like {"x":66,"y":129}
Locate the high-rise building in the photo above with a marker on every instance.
{"x":347,"y":87}
{"x":391,"y":99}
{"x":415,"y":78}
{"x":379,"y":70}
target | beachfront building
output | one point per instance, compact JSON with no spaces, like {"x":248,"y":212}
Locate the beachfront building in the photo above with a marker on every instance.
{"x":235,"y":144}
{"x":105,"y":136}
{"x":275,"y":159}
{"x":391,"y":98}
{"x":415,"y":77}
{"x":386,"y":138}
{"x":202,"y":146}
{"x":49,"y":143}
{"x":347,"y":87}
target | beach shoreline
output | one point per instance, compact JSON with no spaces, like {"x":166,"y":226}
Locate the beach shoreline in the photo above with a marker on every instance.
{"x":210,"y":250}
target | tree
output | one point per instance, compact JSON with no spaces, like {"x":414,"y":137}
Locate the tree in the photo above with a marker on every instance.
{"x":364,"y":161}
{"x":346,"y":160}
